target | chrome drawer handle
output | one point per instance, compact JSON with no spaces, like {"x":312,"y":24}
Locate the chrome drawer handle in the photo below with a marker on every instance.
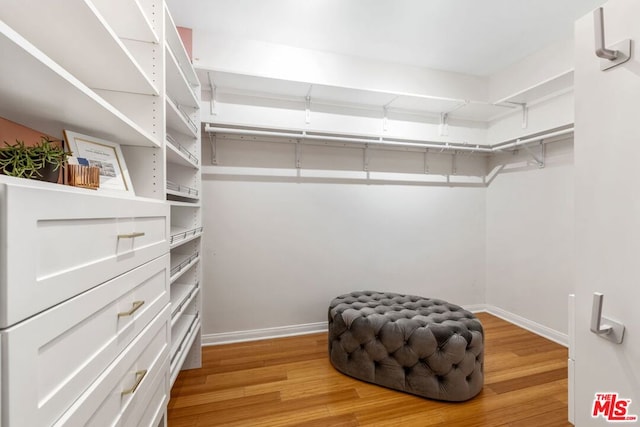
{"x":139,"y":377}
{"x":136,"y":305}
{"x":131,"y":235}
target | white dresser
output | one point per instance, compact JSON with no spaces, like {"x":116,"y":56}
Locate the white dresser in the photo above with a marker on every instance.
{"x":84,"y":309}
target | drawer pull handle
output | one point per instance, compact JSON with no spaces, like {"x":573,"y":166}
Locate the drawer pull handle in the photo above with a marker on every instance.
{"x":131,"y":235}
{"x":139,"y":377}
{"x":136,"y":305}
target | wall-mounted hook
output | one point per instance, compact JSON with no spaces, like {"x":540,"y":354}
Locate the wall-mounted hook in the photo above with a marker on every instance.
{"x":603,"y":326}
{"x":614,"y":55}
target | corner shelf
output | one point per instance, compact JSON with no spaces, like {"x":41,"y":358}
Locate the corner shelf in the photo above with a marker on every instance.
{"x":557,"y":84}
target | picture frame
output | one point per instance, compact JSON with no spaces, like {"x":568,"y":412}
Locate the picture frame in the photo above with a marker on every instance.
{"x":107,"y":155}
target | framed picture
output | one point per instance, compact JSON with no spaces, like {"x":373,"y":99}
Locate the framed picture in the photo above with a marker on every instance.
{"x":106,"y":155}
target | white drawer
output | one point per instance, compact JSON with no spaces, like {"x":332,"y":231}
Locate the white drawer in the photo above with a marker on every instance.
{"x":53,"y":357}
{"x":55,"y":245}
{"x":129,"y":385}
{"x":150,"y":408}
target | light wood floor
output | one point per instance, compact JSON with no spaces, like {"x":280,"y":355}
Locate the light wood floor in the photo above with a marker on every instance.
{"x":290,"y":382}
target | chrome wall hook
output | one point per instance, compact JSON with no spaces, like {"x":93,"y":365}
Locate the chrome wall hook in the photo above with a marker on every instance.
{"x":616,"y":54}
{"x":603,"y":326}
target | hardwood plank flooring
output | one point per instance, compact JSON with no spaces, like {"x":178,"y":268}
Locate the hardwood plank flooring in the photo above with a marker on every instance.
{"x":290,"y":382}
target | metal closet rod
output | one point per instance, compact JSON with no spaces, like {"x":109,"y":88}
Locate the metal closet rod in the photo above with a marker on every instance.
{"x":384,"y":141}
{"x":542,"y":138}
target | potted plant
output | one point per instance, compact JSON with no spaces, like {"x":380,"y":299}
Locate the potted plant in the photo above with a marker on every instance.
{"x":41,"y":161}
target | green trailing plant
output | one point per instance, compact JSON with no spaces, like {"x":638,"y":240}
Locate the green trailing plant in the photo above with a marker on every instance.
{"x":30,"y":161}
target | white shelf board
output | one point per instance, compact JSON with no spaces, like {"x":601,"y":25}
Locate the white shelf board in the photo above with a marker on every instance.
{"x":178,"y":359}
{"x":177,"y":157}
{"x":177,"y":122}
{"x":38,"y":93}
{"x":180,"y":204}
{"x":182,"y":295}
{"x":177,"y":48}
{"x":75,"y":35}
{"x":480,"y":112}
{"x":177,"y":259}
{"x":182,"y":195}
{"x":350,"y":97}
{"x":191,"y":235}
{"x":178,"y":88}
{"x":264,"y":86}
{"x":185,"y":304}
{"x":179,"y":331}
{"x":424,"y":104}
{"x":129,"y":19}
{"x":179,"y":294}
{"x":559,"y":83}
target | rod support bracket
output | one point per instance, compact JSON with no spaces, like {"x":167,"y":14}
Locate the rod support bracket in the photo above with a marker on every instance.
{"x":212,"y":102}
{"x":538,"y":159}
{"x":385,"y":118}
{"x":213,"y":141}
{"x":443,"y":128}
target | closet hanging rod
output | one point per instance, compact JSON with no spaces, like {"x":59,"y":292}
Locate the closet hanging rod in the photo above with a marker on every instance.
{"x":352,"y":139}
{"x":540,"y":138}
{"x":391,"y":142}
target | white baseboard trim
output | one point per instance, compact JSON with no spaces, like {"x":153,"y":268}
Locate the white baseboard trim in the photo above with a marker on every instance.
{"x":475,"y":308}
{"x":529,"y":325}
{"x":312,"y":328}
{"x":261,"y":334}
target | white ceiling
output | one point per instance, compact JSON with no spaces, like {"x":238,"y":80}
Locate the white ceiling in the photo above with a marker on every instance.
{"x":476,"y":37}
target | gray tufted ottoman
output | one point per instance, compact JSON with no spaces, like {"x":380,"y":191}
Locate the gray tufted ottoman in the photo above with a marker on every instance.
{"x":417,"y":345}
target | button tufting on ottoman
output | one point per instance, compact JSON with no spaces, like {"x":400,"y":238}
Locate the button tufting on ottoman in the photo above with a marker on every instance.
{"x":422,"y":346}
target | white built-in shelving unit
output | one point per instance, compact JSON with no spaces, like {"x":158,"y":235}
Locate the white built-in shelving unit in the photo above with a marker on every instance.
{"x":116,"y":70}
{"x":183,"y":192}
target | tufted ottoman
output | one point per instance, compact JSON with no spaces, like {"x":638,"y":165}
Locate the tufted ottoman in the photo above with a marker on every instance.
{"x":417,"y":345}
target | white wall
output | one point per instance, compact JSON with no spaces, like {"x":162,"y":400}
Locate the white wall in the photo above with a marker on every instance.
{"x":530,"y":247}
{"x":276,"y":253}
{"x":543,"y":65}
